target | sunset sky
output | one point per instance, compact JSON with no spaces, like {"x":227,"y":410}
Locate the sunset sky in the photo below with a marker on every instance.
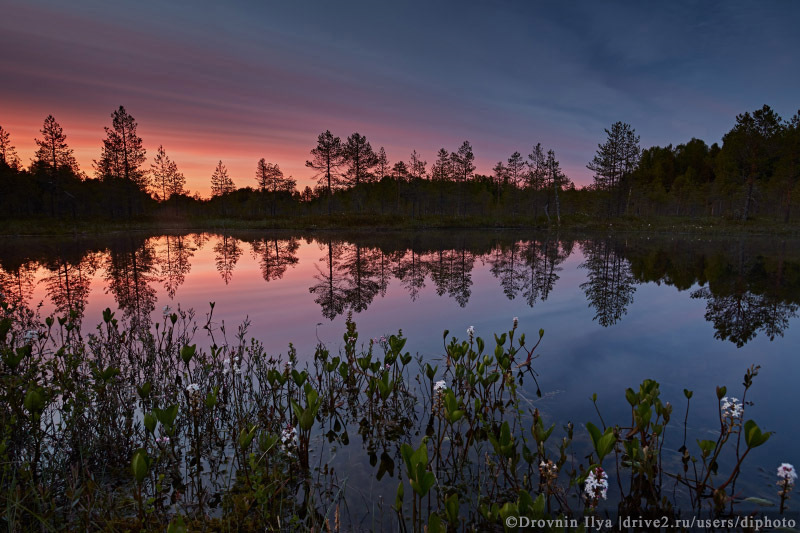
{"x":239,"y":81}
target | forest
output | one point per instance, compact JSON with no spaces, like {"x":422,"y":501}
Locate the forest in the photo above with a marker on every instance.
{"x":754,"y":174}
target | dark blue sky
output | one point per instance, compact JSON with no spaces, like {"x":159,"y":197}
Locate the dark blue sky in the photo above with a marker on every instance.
{"x":242,"y":81}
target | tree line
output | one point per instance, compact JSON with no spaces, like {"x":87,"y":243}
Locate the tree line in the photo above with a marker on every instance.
{"x":756,"y":172}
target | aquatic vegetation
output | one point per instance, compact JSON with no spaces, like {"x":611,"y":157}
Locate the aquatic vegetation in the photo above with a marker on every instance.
{"x":127,"y":427}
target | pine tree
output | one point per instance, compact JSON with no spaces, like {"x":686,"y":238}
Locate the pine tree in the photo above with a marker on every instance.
{"x":166,"y":179}
{"x":556,"y":179}
{"x":123,"y":154}
{"x":270,"y":178}
{"x":416,"y":165}
{"x":360,"y":159}
{"x":615,"y":161}
{"x":463,"y":162}
{"x":327,"y":158}
{"x":8,"y":154}
{"x":442,"y":168}
{"x":53,"y":153}
{"x":516,"y":169}
{"x":221,"y":184}
{"x":382,"y":167}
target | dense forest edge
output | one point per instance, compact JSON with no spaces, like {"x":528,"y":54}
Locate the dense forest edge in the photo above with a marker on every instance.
{"x":750,"y":183}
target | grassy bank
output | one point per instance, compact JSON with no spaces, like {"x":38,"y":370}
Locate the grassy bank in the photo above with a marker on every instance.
{"x":701,"y":226}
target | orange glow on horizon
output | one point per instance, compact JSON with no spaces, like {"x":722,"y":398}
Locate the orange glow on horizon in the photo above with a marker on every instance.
{"x":195,"y":152}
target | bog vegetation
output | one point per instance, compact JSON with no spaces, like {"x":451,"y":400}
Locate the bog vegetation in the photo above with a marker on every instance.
{"x":130,"y":428}
{"x":754,"y":173}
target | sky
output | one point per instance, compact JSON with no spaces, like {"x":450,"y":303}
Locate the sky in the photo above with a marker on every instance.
{"x":238,"y":81}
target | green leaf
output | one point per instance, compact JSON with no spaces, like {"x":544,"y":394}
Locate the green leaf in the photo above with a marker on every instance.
{"x":435,"y":524}
{"x":759,"y":501}
{"x":167,"y":416}
{"x":594,"y":432}
{"x":246,"y":437}
{"x":187,"y":352}
{"x":34,"y":400}
{"x":398,"y":499}
{"x":140,"y":464}
{"x":753,"y":436}
{"x":451,"y":507}
{"x":177,"y":525}
{"x":150,"y":422}
{"x":144,"y":390}
{"x":631,"y":396}
{"x":606,"y":444}
{"x":706,"y":446}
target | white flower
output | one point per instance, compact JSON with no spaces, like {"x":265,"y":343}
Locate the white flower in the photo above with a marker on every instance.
{"x":162,"y":440}
{"x":731,"y":408}
{"x":167,"y":310}
{"x":786,"y":472}
{"x":516,"y":322}
{"x":596,"y":486}
{"x":439,"y":386}
{"x":471,"y":333}
{"x":289,"y":436}
{"x":193,"y":388}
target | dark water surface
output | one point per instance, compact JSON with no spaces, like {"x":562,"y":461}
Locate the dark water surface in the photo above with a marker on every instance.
{"x":689,"y":312}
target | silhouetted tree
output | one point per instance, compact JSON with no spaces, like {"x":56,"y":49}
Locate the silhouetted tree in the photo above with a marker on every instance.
{"x":270,"y":179}
{"x":615,"y":161}
{"x":221,"y":185}
{"x":53,"y":154}
{"x":442,"y":168}
{"x":8,"y":154}
{"x":382,"y":167}
{"x":359,"y":158}
{"x":416,"y":166}
{"x":166,"y":179}
{"x":788,"y":166}
{"x":327,"y":158}
{"x":463,"y":164}
{"x":748,"y":151}
{"x":123,"y":153}
{"x":555,"y":179}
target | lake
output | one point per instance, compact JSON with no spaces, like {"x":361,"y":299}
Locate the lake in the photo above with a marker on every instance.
{"x":690,"y":312}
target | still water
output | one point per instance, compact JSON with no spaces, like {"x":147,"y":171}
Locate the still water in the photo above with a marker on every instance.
{"x":688,"y":312}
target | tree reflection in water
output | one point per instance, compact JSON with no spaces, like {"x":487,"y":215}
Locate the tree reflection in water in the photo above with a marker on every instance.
{"x":749,"y":286}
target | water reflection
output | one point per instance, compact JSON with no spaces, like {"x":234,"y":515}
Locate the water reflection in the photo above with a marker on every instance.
{"x":174,"y":256}
{"x":749,"y":287}
{"x":275,"y":256}
{"x":610,"y":285}
{"x":130,"y":274}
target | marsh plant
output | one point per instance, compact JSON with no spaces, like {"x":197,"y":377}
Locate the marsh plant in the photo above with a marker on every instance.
{"x":133,"y":427}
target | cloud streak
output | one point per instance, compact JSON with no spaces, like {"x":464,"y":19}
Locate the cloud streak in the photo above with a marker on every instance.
{"x":243,"y":81}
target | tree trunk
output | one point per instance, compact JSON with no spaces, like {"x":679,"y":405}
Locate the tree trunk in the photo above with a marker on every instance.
{"x":748,"y":200}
